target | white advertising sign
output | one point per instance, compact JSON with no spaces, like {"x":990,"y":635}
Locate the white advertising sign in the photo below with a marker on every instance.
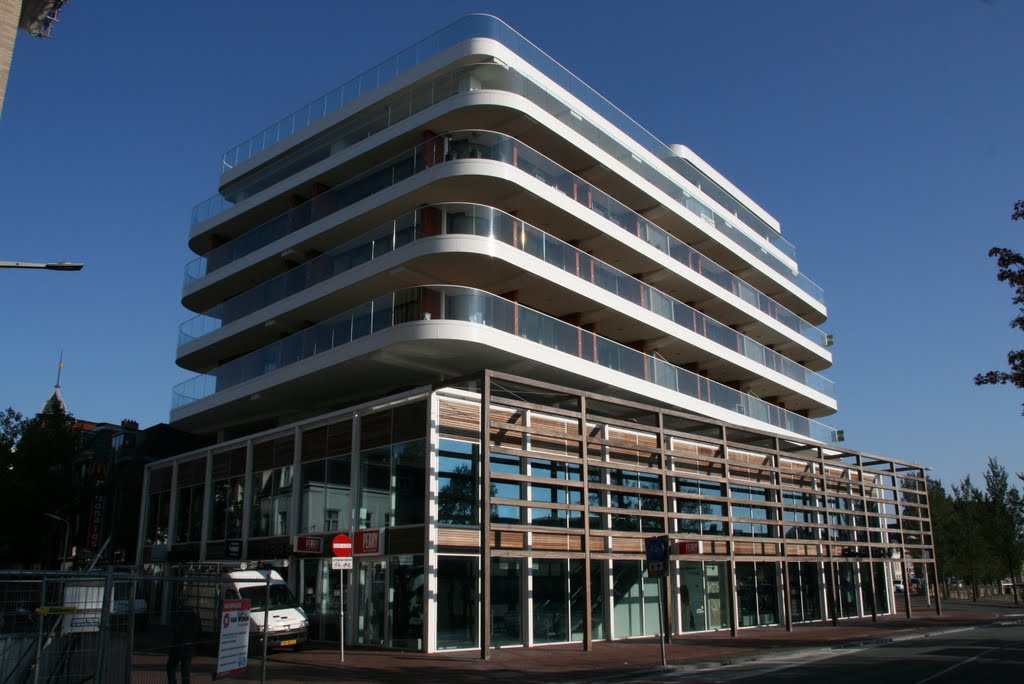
{"x":233,"y":654}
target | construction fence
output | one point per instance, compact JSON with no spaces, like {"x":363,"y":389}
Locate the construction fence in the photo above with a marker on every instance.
{"x":117,"y":626}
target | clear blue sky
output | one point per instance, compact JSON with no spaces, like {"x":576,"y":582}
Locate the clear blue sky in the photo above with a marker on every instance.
{"x":887,"y":137}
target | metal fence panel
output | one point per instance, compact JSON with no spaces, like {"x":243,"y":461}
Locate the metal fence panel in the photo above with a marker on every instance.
{"x":111,"y":627}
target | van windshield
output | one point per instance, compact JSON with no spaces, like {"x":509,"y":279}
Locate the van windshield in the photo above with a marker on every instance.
{"x":280,"y":596}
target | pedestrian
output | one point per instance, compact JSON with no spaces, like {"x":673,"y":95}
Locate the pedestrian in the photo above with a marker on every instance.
{"x":185,"y":630}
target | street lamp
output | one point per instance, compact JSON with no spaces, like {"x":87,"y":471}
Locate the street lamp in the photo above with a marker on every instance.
{"x":67,"y":534}
{"x":56,"y":266}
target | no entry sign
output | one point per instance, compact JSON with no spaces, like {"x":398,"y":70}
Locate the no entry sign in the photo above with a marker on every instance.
{"x":341,"y":546}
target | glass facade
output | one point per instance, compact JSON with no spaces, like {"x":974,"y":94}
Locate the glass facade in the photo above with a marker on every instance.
{"x":457,"y":602}
{"x":382,"y":472}
{"x":702,"y":597}
{"x":506,"y":602}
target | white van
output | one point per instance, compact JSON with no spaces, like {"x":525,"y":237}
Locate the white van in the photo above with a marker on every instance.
{"x":288,"y":624}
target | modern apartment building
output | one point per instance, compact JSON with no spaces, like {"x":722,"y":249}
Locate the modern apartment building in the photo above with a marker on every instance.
{"x":464,"y":282}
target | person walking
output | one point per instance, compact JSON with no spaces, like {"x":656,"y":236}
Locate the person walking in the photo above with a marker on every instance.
{"x":185,"y":630}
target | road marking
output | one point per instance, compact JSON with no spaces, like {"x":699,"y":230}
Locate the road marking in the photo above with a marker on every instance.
{"x":953,"y":667}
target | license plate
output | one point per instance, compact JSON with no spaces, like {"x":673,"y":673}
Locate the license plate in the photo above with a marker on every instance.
{"x":290,"y":642}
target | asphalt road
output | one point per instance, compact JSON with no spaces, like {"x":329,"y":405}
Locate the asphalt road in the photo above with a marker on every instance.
{"x":986,"y":654}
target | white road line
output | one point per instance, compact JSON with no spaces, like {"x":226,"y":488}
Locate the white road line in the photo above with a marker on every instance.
{"x":953,"y":667}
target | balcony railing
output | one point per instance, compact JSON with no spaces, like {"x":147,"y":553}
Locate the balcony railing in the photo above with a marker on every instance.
{"x":447,"y":84}
{"x":483,"y":221}
{"x":473,"y":26}
{"x":482,"y":308}
{"x":495,"y":147}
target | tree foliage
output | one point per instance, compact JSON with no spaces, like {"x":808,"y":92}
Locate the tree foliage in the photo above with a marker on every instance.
{"x":979,"y":533}
{"x":1010,"y":265}
{"x":37,"y":478}
{"x":1004,"y":524}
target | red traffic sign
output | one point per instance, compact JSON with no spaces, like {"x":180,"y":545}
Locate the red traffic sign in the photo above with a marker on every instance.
{"x":342,"y":546}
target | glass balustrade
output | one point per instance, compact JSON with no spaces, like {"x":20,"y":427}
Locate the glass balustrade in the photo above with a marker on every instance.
{"x":485,"y":26}
{"x":482,"y":308}
{"x":499,"y":77}
{"x":502,"y":148}
{"x":483,"y":221}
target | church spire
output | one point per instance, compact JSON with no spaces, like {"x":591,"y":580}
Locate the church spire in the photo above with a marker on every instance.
{"x":55,"y":404}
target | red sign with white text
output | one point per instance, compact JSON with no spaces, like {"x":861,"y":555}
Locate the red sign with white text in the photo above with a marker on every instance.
{"x":309,"y":543}
{"x":690,"y":548}
{"x":369,"y":542}
{"x":341,"y":546}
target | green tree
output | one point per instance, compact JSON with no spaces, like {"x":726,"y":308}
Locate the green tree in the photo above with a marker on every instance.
{"x":11,"y":425}
{"x":967,"y":541}
{"x":38,"y":479}
{"x":1010,"y":266}
{"x":1004,"y":521}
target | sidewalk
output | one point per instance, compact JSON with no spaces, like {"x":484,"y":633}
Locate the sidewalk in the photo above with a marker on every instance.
{"x":607,"y":661}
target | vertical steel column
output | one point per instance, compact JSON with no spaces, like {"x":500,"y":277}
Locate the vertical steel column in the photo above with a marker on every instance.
{"x":39,"y":636}
{"x":906,"y":584}
{"x":730,"y":575}
{"x":668,"y":581}
{"x":938,"y":598}
{"x":104,"y":630}
{"x":485,"y":516}
{"x":734,"y":615}
{"x":931,"y":535}
{"x":787,"y":600}
{"x":588,"y":619}
{"x":247,"y":487}
{"x":266,"y":631}
{"x":833,"y":596}
{"x":204,"y":530}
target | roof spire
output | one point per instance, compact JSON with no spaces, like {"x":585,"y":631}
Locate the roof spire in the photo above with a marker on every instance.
{"x":55,"y":404}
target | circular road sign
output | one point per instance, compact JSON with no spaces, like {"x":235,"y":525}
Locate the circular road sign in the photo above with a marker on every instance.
{"x":342,"y":546}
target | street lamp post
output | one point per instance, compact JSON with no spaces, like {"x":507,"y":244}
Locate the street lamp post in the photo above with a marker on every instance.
{"x":53,"y":266}
{"x":67,"y":535}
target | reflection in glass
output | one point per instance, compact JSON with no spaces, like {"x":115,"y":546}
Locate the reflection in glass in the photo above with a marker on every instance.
{"x":627,"y":597}
{"x":456,"y":602}
{"x":805,"y":591}
{"x":456,"y":483}
{"x":506,"y":601}
{"x":405,"y":609}
{"x":372,"y":603}
{"x":550,"y":601}
{"x":847,"y":575}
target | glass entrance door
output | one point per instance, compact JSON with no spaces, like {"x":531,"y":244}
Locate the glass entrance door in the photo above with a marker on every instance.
{"x":457,"y":602}
{"x":321,"y":594}
{"x":370,"y":623}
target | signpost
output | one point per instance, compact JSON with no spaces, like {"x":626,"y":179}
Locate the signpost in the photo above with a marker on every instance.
{"x":341,"y":547}
{"x":656,"y":549}
{"x":233,"y":653}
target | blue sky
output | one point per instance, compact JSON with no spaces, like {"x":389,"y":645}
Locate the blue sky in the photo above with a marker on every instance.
{"x":885,"y":136}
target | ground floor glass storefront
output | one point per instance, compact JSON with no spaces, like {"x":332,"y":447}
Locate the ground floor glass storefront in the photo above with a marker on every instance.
{"x":763,"y":531}
{"x":537,"y":601}
{"x":703,"y":596}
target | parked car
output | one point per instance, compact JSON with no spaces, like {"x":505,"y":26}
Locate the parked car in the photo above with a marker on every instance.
{"x":1006,"y":586}
{"x":897,"y":586}
{"x":916,"y":585}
